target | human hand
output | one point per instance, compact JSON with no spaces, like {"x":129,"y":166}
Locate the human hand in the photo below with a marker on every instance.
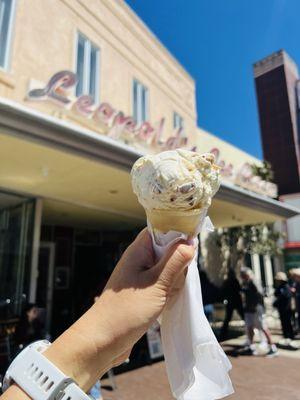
{"x":140,"y":287}
{"x":134,"y":297}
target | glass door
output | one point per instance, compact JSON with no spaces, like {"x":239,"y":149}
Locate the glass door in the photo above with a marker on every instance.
{"x":16,"y":230}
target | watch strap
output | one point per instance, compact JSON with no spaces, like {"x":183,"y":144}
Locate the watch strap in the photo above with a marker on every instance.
{"x":73,"y":392}
{"x":41,"y":379}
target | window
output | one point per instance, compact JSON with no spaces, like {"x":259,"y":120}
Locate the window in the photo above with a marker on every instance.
{"x":87,"y":68}
{"x":6,"y":13}
{"x":140,"y":102}
{"x":177,"y":121}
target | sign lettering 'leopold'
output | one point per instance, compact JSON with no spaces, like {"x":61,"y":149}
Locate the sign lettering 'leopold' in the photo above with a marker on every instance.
{"x":118,"y":126}
{"x":112,"y":122}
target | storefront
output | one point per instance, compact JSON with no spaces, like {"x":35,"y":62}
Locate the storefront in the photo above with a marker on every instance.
{"x":87,"y":211}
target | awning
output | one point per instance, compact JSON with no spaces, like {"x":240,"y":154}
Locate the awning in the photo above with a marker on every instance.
{"x":84,"y":178}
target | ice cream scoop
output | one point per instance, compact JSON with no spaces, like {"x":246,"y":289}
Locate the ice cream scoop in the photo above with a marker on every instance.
{"x":174,"y":187}
{"x":175,"y":180}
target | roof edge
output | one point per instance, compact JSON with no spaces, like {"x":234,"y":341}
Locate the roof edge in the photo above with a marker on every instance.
{"x":32,"y":125}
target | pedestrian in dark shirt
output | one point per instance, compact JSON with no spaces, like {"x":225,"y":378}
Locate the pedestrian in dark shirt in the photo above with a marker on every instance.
{"x":282,"y":302}
{"x":254,"y":312}
{"x":231,"y":292}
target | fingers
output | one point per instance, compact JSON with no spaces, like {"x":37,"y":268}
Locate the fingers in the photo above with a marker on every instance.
{"x":174,"y":263}
{"x":140,"y":252}
{"x":179,"y":282}
{"x":142,"y":236}
{"x":176,"y":287}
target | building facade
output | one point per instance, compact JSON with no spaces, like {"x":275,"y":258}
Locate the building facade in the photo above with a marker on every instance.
{"x":115,"y":56}
{"x":277,"y":89}
{"x":275,"y":80}
{"x":86,"y":89}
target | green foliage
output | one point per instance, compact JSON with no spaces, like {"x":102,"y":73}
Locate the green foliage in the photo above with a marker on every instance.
{"x":264,"y":171}
{"x":265,"y":240}
{"x":235,"y":243}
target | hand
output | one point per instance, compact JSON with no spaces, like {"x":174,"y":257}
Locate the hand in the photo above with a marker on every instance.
{"x":139,"y":289}
{"x":134,"y":297}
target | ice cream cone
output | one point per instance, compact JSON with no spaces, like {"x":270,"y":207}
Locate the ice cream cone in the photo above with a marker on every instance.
{"x":187,"y":222}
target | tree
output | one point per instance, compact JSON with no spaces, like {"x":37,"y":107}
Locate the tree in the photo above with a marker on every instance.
{"x":227,"y":247}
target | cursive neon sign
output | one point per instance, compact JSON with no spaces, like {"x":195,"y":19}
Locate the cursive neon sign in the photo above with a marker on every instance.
{"x":243,"y":176}
{"x":113,"y":122}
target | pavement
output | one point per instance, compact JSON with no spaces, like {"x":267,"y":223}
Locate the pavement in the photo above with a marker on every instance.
{"x":253,"y":377}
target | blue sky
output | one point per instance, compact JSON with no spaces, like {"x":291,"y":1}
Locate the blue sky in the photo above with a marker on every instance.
{"x":217,"y":42}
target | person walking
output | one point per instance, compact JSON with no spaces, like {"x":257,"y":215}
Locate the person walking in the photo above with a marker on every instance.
{"x":210,"y":295}
{"x":231,"y":292}
{"x":283,"y":304}
{"x":254,"y":313}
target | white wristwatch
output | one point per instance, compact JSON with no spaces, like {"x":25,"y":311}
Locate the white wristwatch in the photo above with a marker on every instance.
{"x":39,"y":378}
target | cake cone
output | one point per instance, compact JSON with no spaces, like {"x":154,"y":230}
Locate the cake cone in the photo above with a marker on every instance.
{"x":187,"y":222}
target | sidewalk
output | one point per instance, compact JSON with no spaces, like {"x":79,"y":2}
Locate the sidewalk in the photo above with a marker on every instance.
{"x":253,"y":377}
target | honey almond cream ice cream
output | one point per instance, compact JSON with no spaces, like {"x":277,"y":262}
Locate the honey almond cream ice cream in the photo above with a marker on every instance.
{"x":175,"y":187}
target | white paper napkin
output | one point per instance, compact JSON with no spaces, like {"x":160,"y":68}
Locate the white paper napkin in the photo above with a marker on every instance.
{"x":196,"y":364}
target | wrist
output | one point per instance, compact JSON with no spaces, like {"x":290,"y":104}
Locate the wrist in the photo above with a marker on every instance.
{"x":83,"y":352}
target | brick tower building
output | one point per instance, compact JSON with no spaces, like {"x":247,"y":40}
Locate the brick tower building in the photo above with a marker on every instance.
{"x":276,"y":79}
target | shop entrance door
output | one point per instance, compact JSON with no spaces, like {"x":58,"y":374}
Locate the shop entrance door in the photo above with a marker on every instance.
{"x":16,"y":231}
{"x":44,"y":287}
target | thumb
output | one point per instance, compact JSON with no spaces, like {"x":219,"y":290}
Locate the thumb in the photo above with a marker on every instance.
{"x":173,"y":263}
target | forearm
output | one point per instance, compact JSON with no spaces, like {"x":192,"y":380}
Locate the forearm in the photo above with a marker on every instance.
{"x":84,"y":353}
